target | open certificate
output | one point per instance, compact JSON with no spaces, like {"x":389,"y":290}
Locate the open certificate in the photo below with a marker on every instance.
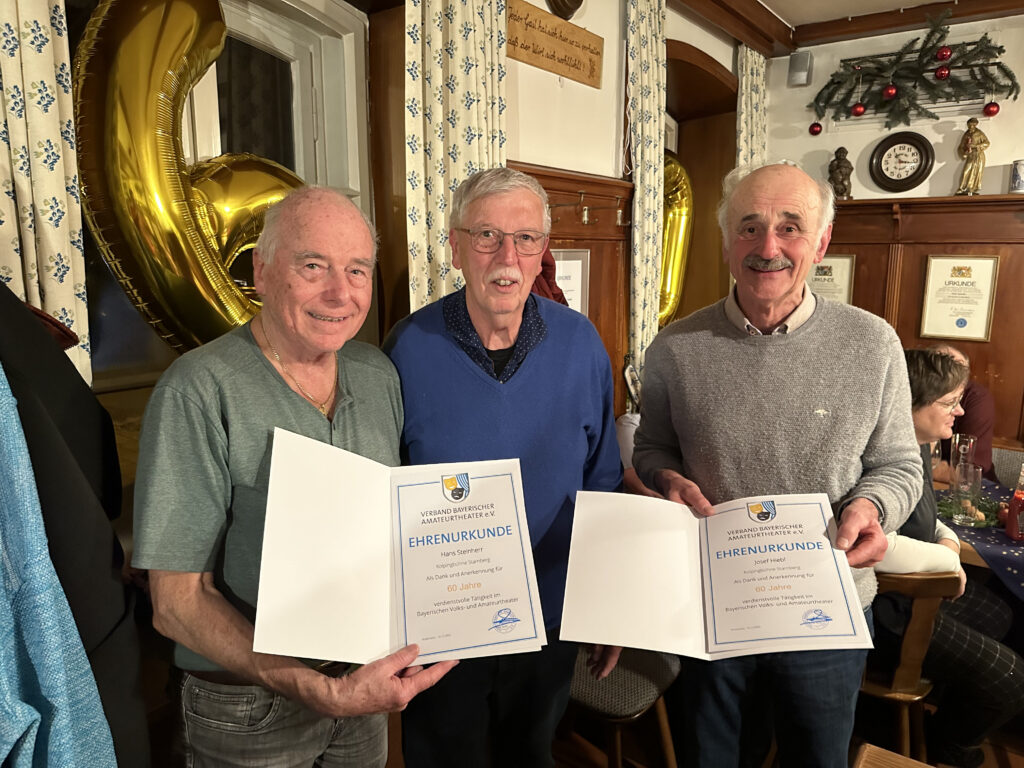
{"x":360,"y":559}
{"x":760,"y":575}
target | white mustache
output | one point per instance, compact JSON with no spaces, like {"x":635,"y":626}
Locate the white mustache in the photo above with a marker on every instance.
{"x":505,"y":273}
{"x":753,"y":261}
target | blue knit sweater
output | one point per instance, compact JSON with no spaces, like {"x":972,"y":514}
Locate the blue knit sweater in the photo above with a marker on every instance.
{"x":554,"y":414}
{"x":50,"y":711}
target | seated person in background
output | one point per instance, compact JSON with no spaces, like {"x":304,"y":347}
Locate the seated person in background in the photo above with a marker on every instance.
{"x":625,"y":428}
{"x":979,"y":681}
{"x":977,"y":418}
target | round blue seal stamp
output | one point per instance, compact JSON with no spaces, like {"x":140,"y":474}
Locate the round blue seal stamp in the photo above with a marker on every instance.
{"x":815,"y":618}
{"x":504,"y":620}
{"x":961,"y":322}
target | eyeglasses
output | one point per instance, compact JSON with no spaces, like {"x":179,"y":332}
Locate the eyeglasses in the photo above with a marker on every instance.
{"x":527,"y":242}
{"x":945,"y":404}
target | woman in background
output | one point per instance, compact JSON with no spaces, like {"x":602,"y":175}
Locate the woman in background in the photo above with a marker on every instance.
{"x":979,"y":681}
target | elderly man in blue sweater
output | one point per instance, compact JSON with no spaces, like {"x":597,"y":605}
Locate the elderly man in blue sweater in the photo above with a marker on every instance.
{"x":493,"y":372}
{"x":775,"y":390}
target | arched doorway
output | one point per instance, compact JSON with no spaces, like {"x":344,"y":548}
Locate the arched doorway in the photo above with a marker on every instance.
{"x":701,"y":98}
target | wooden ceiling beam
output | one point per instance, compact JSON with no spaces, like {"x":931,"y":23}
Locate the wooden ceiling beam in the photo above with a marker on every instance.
{"x":746,"y":20}
{"x":900,"y":21}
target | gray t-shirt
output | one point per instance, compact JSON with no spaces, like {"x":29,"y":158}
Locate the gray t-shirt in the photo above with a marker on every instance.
{"x":204,"y":456}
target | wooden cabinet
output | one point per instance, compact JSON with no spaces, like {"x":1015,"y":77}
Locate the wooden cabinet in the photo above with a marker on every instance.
{"x":594,"y":213}
{"x":892,"y":240}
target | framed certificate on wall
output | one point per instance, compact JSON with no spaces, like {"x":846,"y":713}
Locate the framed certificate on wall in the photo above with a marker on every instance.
{"x":959,"y":292}
{"x":572,"y":274}
{"x":832,"y":277}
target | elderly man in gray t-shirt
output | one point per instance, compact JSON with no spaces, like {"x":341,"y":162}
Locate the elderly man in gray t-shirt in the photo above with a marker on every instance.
{"x":201,"y":497}
{"x":774,"y":390}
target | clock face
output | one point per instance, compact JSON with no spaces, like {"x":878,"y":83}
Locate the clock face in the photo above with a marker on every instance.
{"x":901,"y":161}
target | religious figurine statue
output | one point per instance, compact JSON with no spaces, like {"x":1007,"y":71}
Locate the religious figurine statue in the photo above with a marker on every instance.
{"x":839,"y":170}
{"x":972,"y":150}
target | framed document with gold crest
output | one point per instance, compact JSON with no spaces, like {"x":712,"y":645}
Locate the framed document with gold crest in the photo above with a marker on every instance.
{"x":832,"y":277}
{"x":959,"y":293}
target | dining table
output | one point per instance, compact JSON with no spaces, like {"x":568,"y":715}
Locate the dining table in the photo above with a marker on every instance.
{"x":991,"y":546}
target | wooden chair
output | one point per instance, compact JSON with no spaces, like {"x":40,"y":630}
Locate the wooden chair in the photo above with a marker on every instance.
{"x":633,"y":687}
{"x":905,"y":687}
{"x":870,"y":756}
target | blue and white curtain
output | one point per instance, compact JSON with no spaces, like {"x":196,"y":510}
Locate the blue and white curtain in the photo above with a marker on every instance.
{"x":751,"y":108}
{"x":454,"y":124}
{"x":41,"y":253}
{"x":645,"y":92}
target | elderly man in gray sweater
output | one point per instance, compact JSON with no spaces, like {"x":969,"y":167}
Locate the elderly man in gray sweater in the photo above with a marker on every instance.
{"x":775,"y":390}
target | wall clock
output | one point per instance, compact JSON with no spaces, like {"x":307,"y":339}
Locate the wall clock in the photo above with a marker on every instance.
{"x":901,"y":161}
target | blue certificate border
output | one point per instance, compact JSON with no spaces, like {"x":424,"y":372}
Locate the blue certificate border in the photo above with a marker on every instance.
{"x":711,"y":585}
{"x":401,"y":562}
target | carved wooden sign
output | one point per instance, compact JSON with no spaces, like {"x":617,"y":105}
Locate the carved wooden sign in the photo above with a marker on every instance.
{"x":543,"y":40}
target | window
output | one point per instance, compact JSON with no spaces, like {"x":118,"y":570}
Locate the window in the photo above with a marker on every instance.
{"x":324,"y":53}
{"x":312,"y":117}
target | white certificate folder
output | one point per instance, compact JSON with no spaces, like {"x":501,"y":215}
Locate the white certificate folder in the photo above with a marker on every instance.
{"x":360,"y":559}
{"x":760,"y":575}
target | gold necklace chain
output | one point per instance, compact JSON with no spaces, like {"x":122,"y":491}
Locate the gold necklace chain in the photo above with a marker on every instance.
{"x":322,"y":407}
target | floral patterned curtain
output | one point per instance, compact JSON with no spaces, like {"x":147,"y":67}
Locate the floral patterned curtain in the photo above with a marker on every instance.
{"x":751,"y":108}
{"x":41,"y":253}
{"x":645,"y":92}
{"x":454,"y":124}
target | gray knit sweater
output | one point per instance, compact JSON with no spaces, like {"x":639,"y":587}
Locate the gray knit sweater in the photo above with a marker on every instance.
{"x":825,"y":408}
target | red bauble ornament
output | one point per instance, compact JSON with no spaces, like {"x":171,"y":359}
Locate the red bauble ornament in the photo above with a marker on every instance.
{"x":942,"y":72}
{"x":857,"y":109}
{"x":814,"y":129}
{"x":944,"y":53}
{"x":889,"y":92}
{"x":991,"y":109}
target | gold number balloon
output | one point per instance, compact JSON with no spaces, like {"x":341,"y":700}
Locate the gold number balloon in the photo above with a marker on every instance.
{"x":169,"y":232}
{"x":675,"y":242}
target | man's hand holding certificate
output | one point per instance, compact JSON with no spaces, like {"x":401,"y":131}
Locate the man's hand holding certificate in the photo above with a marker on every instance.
{"x":759,"y":575}
{"x":360,"y":559}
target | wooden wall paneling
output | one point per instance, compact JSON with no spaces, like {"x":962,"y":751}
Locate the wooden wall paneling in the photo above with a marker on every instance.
{"x":920,"y":227}
{"x":997,"y":363}
{"x":707,"y":150}
{"x":893,"y":283}
{"x":387,"y":163}
{"x":870,"y":267}
{"x":606,"y":235}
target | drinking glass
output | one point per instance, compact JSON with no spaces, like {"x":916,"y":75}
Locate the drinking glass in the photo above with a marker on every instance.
{"x":966,"y":493}
{"x":961,"y":449}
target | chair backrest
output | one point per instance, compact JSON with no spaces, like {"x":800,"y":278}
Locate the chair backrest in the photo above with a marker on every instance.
{"x":927,"y":591}
{"x":1006,"y":463}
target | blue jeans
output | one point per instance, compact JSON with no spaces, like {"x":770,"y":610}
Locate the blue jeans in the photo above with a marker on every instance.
{"x":247,"y":725}
{"x":494,"y":711}
{"x":731,"y":706}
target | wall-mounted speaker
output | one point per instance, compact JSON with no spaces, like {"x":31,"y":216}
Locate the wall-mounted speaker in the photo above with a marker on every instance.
{"x":800,"y":65}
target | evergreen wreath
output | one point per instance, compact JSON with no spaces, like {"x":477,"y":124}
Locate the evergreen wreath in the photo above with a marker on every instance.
{"x":899,"y":85}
